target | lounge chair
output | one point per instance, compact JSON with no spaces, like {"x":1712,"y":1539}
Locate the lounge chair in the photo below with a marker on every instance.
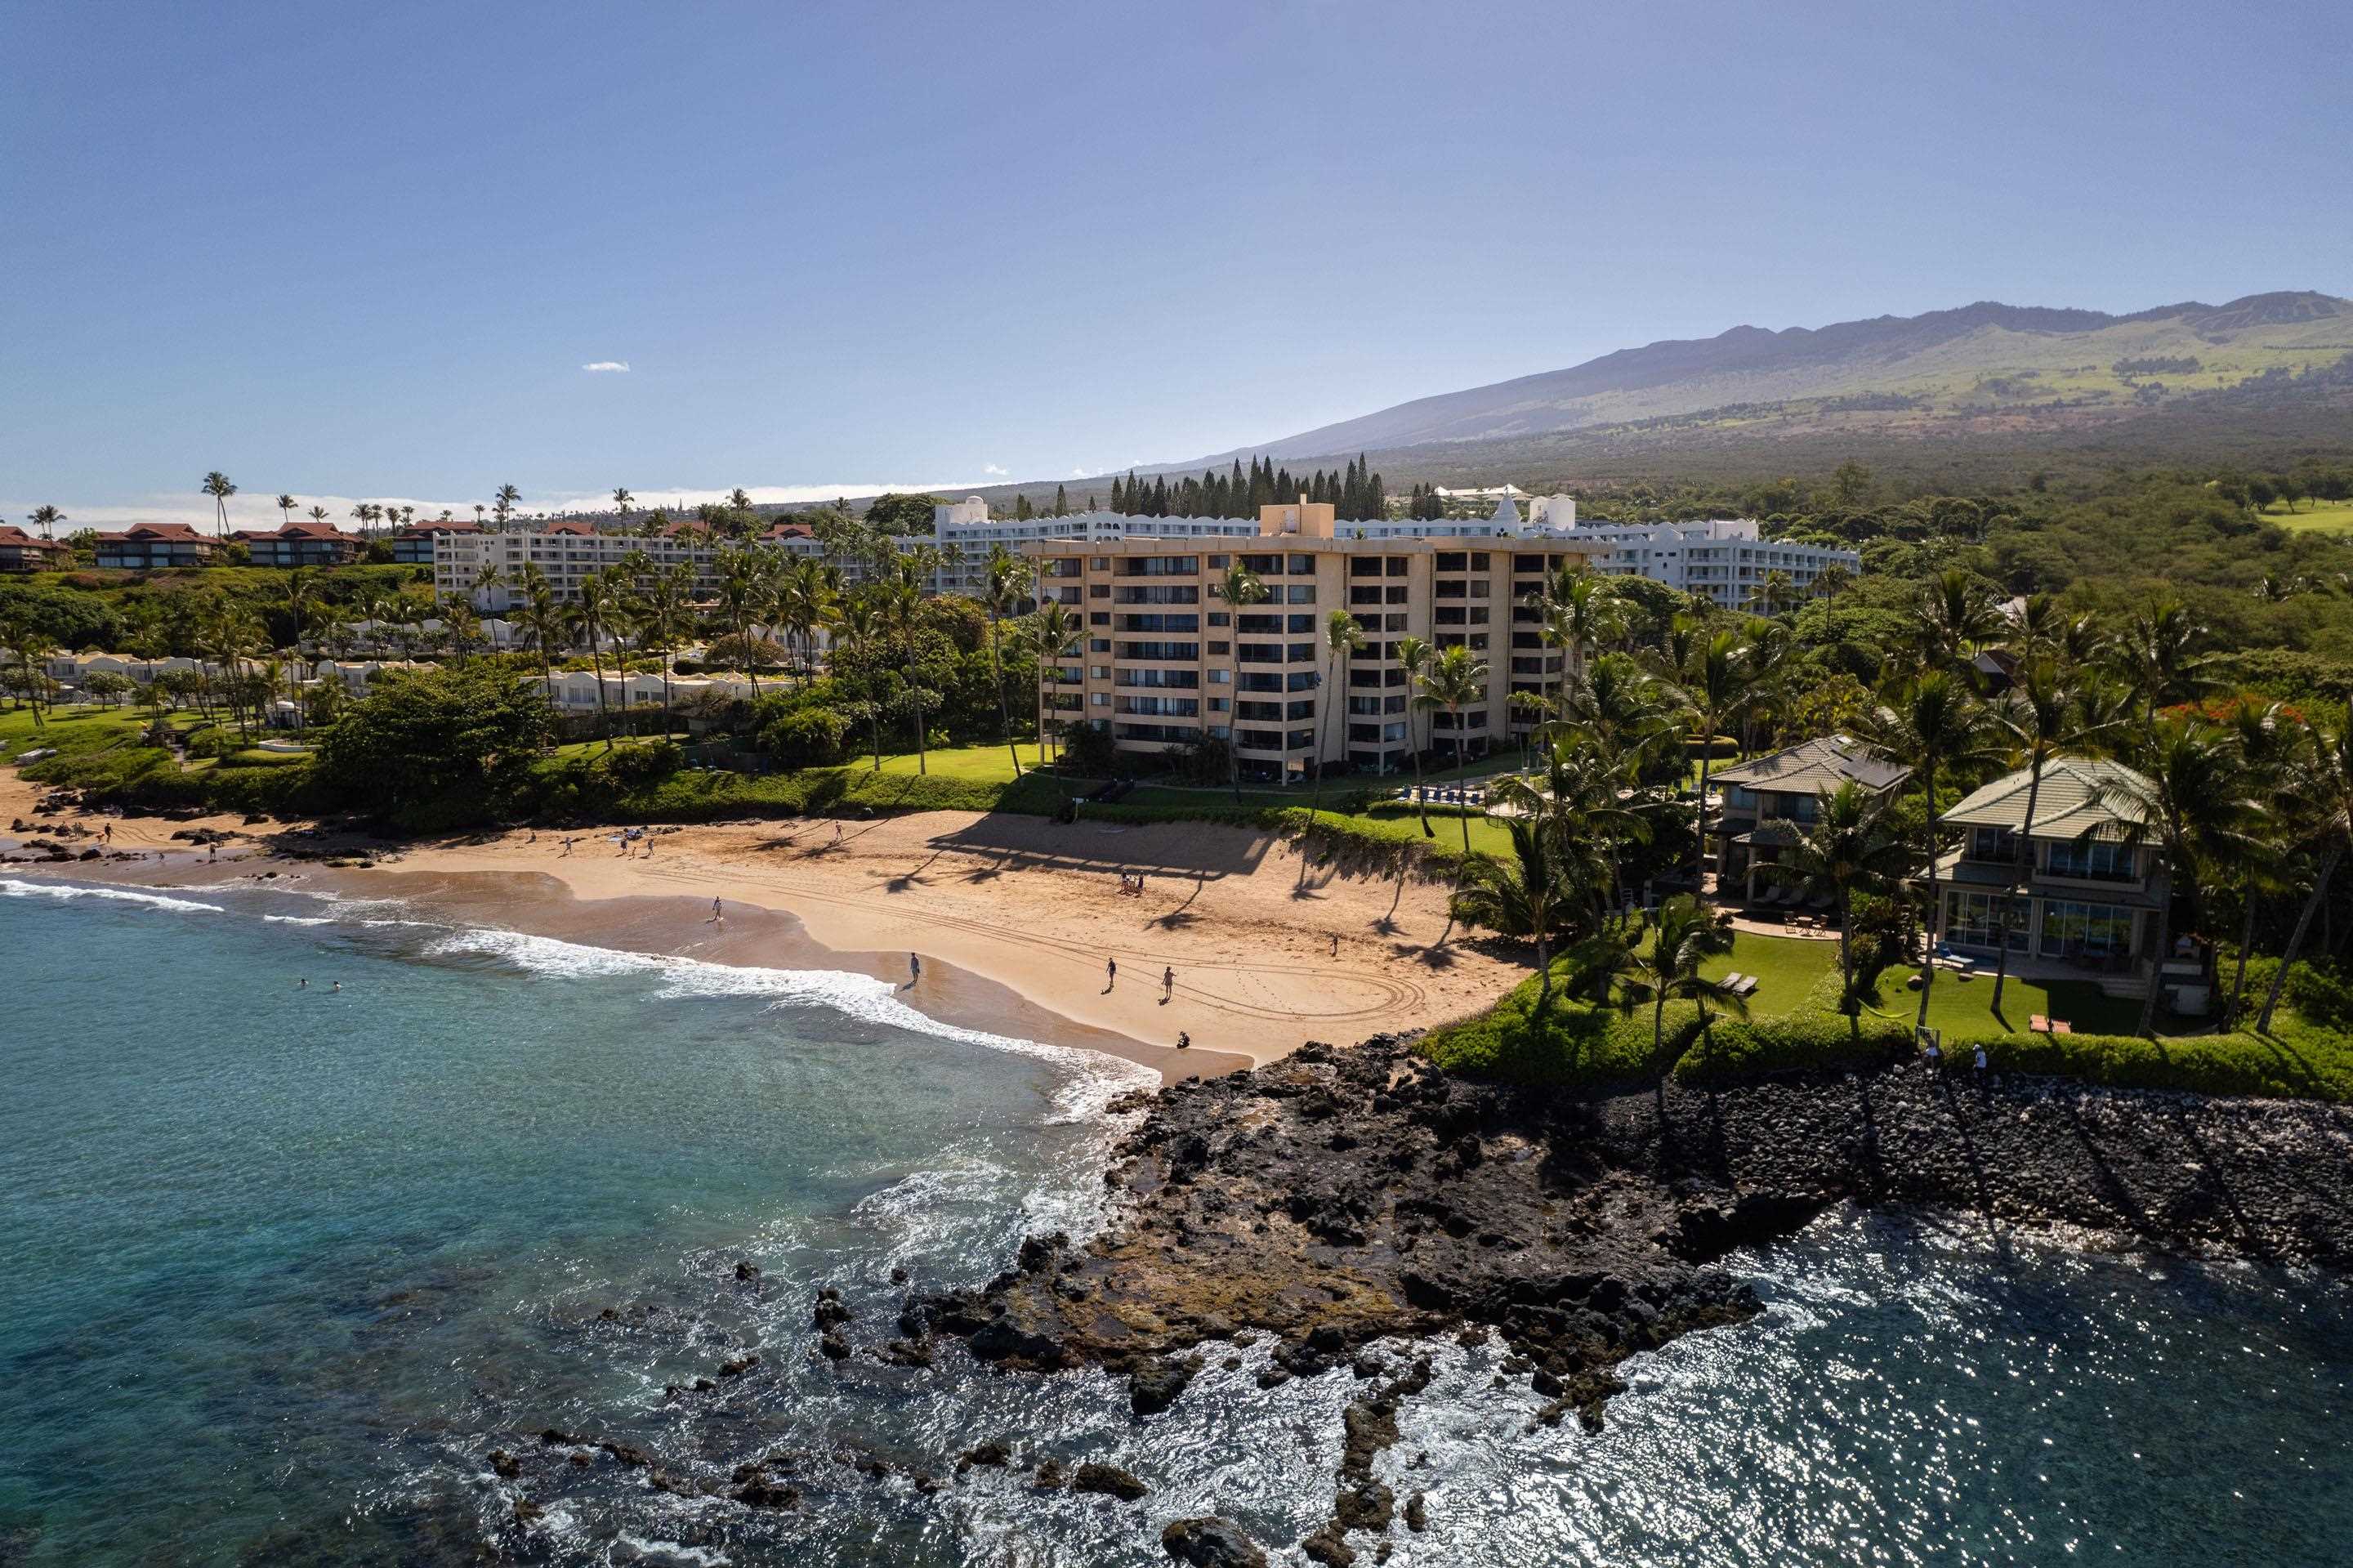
{"x":1748,"y":986}
{"x":2038,"y":1024}
{"x":2061,"y":1026}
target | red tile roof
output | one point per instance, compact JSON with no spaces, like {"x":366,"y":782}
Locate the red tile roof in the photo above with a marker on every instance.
{"x":12,"y":534}
{"x":177,"y":533}
{"x":295,"y":531}
{"x":584,"y":530}
{"x":787,"y":531}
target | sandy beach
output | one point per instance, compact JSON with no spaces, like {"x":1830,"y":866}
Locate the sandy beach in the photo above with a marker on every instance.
{"x":1017,"y":919}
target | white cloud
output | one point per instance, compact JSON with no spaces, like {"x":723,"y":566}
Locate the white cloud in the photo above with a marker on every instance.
{"x":992,"y":467}
{"x":594,"y":367}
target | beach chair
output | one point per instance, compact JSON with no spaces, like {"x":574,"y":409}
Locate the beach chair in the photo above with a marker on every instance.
{"x":2038,"y":1024}
{"x":2061,"y":1026}
{"x":1732,"y":981}
{"x":1748,"y":986}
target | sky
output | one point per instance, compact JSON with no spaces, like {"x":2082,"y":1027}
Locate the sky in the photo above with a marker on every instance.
{"x":408,"y":251}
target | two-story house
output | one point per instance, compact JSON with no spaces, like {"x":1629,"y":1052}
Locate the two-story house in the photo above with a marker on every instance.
{"x":2087,"y":892}
{"x":1785,"y":786}
{"x":20,"y":552}
{"x":300,"y":544}
{"x":151,"y":547}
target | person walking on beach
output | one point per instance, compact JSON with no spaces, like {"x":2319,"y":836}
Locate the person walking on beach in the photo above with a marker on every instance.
{"x":1167,"y":984}
{"x":714,"y":914}
{"x":567,"y":846}
{"x":915,"y":969}
{"x":1110,"y":973}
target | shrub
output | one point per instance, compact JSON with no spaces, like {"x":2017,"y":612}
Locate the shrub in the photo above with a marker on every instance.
{"x":1814,"y":1042}
{"x":1567,"y":1044}
{"x":1090,"y":751}
{"x":645,"y":760}
{"x":808,"y":737}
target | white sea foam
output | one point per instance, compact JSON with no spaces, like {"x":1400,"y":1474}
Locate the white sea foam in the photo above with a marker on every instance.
{"x":11,"y":887}
{"x":1097,"y":1078}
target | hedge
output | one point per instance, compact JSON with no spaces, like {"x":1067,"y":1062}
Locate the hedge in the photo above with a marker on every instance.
{"x":1804,"y":1042}
{"x":1565,"y":1043}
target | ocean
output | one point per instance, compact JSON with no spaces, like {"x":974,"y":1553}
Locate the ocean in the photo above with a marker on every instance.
{"x":281,"y":1266}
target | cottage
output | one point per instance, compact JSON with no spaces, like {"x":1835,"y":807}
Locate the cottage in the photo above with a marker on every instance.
{"x":300,"y":544}
{"x":151,"y":546}
{"x":20,"y":552}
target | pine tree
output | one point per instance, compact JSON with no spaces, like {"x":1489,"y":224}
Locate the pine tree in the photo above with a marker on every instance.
{"x":1021,"y":509}
{"x":1062,"y":502}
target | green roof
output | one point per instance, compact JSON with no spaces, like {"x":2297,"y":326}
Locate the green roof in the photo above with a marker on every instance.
{"x":2068,"y":806}
{"x":1816,"y":766}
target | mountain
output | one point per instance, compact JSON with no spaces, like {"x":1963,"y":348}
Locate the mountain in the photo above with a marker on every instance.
{"x":1983,"y":366}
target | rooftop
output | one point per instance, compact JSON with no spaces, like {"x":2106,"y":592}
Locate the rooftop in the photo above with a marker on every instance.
{"x":2067,"y":806}
{"x":1815,"y":767}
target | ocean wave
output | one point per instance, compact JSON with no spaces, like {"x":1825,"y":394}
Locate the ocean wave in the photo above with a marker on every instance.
{"x":11,"y":887}
{"x":1097,"y":1078}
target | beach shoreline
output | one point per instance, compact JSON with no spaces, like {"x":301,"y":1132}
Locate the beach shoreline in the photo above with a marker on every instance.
{"x":1016,"y":921}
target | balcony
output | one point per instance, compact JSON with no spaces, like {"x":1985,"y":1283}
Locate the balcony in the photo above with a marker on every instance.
{"x":1162,"y":652}
{"x":1188,"y":594}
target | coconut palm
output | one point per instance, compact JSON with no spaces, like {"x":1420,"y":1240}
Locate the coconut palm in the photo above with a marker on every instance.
{"x":1634,"y":974}
{"x":502,"y":504}
{"x":1957,"y":616}
{"x":1580,"y":798}
{"x":861,"y":630}
{"x":1455,"y":680}
{"x":1240,"y":589}
{"x":285,"y":511}
{"x":216,"y":485}
{"x":2162,"y":655}
{"x":1521,"y":897}
{"x":1342,"y":638}
{"x":2187,"y":793}
{"x":2319,"y":796}
{"x":1850,"y":847}
{"x":1010,"y":581}
{"x":2039,"y":717}
{"x":1717,"y":690}
{"x":1775,"y":594}
{"x":1932,"y":723}
{"x":623,"y":501}
{"x":2269,"y":742}
{"x":743,"y":593}
{"x":45,"y":518}
{"x":1579,"y":611}
{"x":20,"y":641}
{"x":1413,"y":654}
{"x":903,"y":612}
{"x":318,"y":514}
{"x":544,"y":620}
{"x":597,"y":613}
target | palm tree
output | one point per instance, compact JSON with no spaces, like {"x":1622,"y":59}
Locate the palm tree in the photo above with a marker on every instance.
{"x":1580,"y":610}
{"x":18,"y":639}
{"x":1454,"y":680}
{"x":1957,"y":616}
{"x":1775,"y":594}
{"x":903,"y":608}
{"x":2162,"y":656}
{"x":544,"y":620}
{"x":477,"y":514}
{"x":318,"y":514}
{"x":742,"y":590}
{"x":1046,"y":635}
{"x":1342,"y":636}
{"x":1716,"y":690}
{"x":285,"y":511}
{"x":862,"y":628}
{"x":216,"y":485}
{"x":1850,"y":847}
{"x":598,"y":609}
{"x":2320,"y":793}
{"x":2038,"y":716}
{"x":623,"y":501}
{"x":2187,"y":793}
{"x":1630,"y":975}
{"x":1010,"y":579}
{"x":1933,"y":723}
{"x":1413,"y":655}
{"x":2269,"y":744}
{"x":1521,"y":897}
{"x":1240,"y":589}
{"x":45,"y":518}
{"x":504,"y":505}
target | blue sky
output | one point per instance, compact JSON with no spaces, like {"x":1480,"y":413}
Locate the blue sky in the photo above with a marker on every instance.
{"x":351,"y":251}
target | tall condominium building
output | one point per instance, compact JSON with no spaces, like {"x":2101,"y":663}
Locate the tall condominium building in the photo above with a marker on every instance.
{"x":1160,"y":659}
{"x":1724,"y":560}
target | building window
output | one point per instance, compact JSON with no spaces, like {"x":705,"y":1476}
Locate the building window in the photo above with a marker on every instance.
{"x":2099,"y":861}
{"x":2090,"y":932}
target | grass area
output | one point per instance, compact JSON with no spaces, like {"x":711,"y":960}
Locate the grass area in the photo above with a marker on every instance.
{"x":1793,"y":1026}
{"x":2312,"y":518}
{"x":989,"y":764}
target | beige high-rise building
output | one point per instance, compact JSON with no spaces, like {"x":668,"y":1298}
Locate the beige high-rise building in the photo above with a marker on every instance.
{"x":1160,"y":657}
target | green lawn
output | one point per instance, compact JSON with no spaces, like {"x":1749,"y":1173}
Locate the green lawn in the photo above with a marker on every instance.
{"x":2313,"y":516}
{"x":987,"y":764}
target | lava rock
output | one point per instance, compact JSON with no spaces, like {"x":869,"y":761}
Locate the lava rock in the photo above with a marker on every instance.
{"x":1110,"y":1480}
{"x":1211,"y":1542}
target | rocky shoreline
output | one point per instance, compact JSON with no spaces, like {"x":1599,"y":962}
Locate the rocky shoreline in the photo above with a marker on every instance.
{"x":1343,"y":1197}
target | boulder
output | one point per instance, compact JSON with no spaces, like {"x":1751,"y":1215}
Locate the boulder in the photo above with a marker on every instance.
{"x":1211,"y":1542}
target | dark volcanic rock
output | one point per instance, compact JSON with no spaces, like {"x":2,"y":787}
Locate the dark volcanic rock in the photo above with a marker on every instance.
{"x":1211,"y":1542}
{"x":1109,"y":1479}
{"x":1157,"y":1384}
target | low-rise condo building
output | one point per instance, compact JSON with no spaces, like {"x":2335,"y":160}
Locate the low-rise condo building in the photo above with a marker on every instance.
{"x":1160,"y":660}
{"x":1766,"y":796}
{"x":413,"y":547}
{"x":2088,"y":893}
{"x":300,"y":544}
{"x":564,"y":554}
{"x":20,"y":552}
{"x":1726,"y":559}
{"x":151,"y":547}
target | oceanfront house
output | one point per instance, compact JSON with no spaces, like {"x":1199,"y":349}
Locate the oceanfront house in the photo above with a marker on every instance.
{"x":1160,"y":660}
{"x":153,"y":547}
{"x":1751,"y":824}
{"x":2088,"y":894}
{"x":413,"y":545}
{"x":300,"y":544}
{"x":20,"y":552}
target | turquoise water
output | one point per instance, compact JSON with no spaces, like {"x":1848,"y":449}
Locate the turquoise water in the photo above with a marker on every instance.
{"x":281,"y":1265}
